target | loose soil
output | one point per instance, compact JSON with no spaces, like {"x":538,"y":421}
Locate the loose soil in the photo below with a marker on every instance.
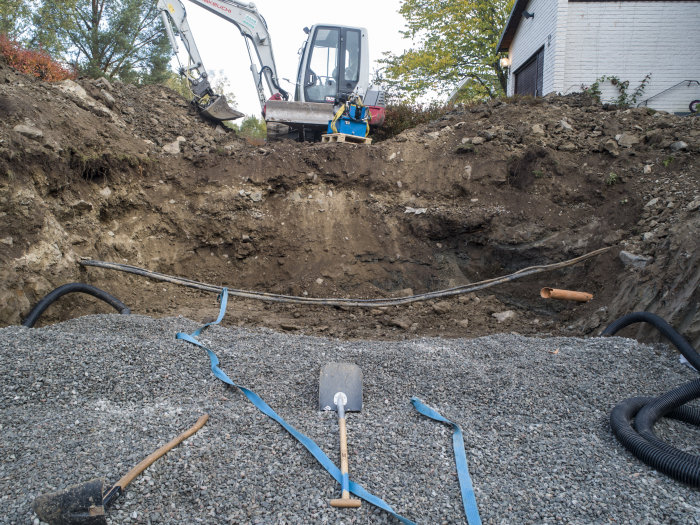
{"x":132,"y":175}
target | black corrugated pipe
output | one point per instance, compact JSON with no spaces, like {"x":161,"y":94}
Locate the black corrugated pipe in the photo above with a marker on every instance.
{"x":70,"y":288}
{"x":646,"y":411}
{"x":683,"y":346}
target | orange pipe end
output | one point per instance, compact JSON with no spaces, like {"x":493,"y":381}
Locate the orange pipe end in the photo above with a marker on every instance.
{"x":566,"y":295}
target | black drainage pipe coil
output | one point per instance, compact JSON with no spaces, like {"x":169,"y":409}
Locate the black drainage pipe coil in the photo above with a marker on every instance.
{"x":639,"y":438}
{"x":70,"y":288}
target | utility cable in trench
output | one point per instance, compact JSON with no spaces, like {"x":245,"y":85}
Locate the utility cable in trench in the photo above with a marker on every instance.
{"x":330,"y":301}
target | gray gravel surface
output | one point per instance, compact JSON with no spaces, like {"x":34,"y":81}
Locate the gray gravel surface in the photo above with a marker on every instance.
{"x":93,"y":396}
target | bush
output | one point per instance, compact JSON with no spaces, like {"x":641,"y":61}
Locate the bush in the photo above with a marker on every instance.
{"x":35,"y":63}
{"x":400,"y":117}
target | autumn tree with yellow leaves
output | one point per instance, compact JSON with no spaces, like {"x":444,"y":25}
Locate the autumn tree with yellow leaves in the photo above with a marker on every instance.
{"x":453,"y":43}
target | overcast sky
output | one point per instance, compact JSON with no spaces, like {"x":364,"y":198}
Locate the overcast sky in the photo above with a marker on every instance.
{"x":223,"y":48}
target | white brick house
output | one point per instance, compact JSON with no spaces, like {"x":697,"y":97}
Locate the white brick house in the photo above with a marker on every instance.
{"x":568,"y":44}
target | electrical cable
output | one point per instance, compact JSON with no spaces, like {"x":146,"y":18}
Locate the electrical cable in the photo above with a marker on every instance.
{"x":640,"y":439}
{"x":343,"y":302}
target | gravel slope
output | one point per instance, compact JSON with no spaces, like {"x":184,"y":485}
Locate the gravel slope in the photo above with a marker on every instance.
{"x":91,"y":397}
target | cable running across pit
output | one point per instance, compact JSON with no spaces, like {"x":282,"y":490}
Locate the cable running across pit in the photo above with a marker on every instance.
{"x":330,"y":301}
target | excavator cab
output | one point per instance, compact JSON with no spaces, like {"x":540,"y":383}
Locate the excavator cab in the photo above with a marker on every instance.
{"x":333,"y":68}
{"x":334,"y":60}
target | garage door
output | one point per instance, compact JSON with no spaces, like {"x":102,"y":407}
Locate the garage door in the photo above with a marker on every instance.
{"x":528,"y":78}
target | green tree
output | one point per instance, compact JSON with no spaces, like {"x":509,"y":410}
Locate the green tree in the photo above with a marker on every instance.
{"x":452,"y":40}
{"x":15,"y":16}
{"x":179,"y":84}
{"x":121,"y":39}
{"x":251,"y":126}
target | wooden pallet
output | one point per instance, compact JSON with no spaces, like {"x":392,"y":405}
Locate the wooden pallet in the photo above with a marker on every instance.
{"x":342,"y":137}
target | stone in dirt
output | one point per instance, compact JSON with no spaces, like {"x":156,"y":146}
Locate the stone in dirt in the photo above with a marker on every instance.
{"x":442,"y":307}
{"x":631,"y":259}
{"x":173,"y":148}
{"x":567,"y":146}
{"x":400,"y":322}
{"x":29,"y":131}
{"x":502,"y":317}
{"x":611,"y":147}
{"x":627,"y":140}
{"x":678,"y":146}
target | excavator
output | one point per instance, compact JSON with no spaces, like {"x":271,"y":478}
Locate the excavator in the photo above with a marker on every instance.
{"x":333,"y":72}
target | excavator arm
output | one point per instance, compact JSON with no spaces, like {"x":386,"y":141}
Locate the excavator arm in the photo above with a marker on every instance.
{"x":253,"y":28}
{"x":210,"y":104}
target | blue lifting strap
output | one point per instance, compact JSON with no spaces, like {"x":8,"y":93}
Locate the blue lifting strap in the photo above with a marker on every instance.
{"x":313,"y":448}
{"x":465,"y":482}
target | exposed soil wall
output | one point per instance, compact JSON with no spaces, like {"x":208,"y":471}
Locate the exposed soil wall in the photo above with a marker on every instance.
{"x":116,"y":173}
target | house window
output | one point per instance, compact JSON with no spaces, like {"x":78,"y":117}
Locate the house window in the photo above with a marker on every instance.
{"x":528,"y":77}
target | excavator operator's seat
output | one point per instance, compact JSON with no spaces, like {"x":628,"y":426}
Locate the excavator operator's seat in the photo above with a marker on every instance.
{"x":323,"y":90}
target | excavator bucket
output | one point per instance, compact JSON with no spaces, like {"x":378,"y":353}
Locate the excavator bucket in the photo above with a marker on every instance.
{"x":220,"y":110}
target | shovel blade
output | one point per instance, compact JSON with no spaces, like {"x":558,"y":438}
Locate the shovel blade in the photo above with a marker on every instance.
{"x":340,"y":377}
{"x":77,"y":505}
{"x":220,"y":110}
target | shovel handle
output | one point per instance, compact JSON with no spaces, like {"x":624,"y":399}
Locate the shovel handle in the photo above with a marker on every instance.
{"x":345,"y":500}
{"x":148,"y":461}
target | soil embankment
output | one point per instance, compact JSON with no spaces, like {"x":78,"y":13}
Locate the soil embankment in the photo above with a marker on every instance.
{"x":117,"y":173}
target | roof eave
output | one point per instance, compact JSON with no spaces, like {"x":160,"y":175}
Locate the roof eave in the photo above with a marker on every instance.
{"x":512,"y":25}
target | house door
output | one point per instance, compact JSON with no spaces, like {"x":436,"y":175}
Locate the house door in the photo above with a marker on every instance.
{"x":528,"y":77}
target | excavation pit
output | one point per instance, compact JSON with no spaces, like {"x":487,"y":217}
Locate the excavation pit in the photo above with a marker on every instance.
{"x":429,"y":209}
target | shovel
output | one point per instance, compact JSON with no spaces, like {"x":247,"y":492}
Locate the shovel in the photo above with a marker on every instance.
{"x":341,"y":390}
{"x":85,"y":504}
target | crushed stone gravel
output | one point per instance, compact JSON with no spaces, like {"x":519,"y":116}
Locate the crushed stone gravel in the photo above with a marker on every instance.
{"x":93,"y":396}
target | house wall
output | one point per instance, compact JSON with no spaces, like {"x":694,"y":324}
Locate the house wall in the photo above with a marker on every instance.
{"x":532,"y":34}
{"x":629,"y":40}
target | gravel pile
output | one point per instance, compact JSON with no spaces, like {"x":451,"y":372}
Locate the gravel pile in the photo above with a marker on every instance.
{"x":93,"y":396}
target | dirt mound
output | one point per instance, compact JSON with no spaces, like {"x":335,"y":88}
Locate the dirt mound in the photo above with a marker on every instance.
{"x":125,"y":174}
